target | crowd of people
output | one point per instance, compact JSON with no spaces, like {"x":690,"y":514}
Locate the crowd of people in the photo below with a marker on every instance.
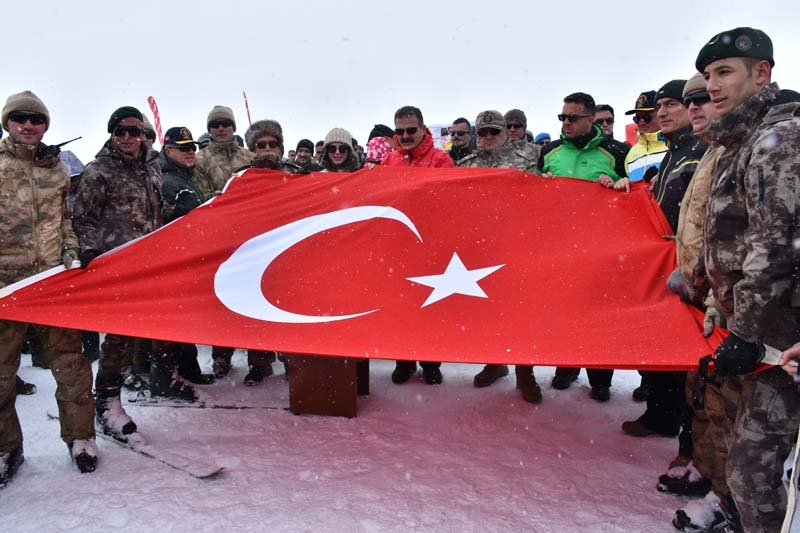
{"x":720,"y":154}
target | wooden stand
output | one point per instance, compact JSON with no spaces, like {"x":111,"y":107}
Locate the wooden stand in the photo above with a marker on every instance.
{"x":328,"y":386}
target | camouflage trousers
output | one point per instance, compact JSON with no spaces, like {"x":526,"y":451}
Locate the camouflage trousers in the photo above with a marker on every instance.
{"x":763,"y":435}
{"x":712,"y":426}
{"x":71,"y":370}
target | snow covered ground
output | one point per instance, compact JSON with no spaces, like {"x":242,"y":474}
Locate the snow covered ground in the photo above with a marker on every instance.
{"x":447,"y":458}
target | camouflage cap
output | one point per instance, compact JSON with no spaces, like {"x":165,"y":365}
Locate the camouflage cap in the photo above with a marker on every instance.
{"x":738,"y":42}
{"x":490,"y":119}
{"x":645,"y":102}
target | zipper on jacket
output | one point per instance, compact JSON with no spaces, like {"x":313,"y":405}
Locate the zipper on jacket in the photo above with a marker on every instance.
{"x":761,"y":208}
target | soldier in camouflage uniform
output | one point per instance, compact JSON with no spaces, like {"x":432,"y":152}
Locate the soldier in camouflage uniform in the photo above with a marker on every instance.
{"x":35,"y":235}
{"x":216,"y":163}
{"x":752,"y":262}
{"x":495,"y":150}
{"x":119,"y":199}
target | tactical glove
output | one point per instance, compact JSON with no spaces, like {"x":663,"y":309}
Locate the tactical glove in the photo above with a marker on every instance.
{"x":735,"y":356}
{"x":87,"y":256}
{"x":714,"y":317}
{"x":68,"y":255}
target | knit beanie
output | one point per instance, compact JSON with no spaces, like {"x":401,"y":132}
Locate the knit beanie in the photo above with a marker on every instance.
{"x":381,"y":130}
{"x":695,"y":84}
{"x":25,"y":101}
{"x":516,"y":116}
{"x":221,"y":112}
{"x":305,"y":143}
{"x":261,"y":128}
{"x":122,"y":113}
{"x":338,"y":135}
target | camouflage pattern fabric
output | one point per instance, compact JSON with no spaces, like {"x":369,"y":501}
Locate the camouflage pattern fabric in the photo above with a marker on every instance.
{"x":522,"y":158}
{"x":215,"y":164}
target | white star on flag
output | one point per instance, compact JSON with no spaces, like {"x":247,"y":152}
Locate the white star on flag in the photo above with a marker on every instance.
{"x":456,"y":279}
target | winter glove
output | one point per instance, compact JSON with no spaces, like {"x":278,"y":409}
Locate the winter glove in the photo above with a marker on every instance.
{"x":87,"y":256}
{"x":68,"y":255}
{"x":714,"y":317}
{"x":735,"y":356}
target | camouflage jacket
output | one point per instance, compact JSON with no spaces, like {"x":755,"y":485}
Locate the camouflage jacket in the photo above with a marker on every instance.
{"x":119,"y":199}
{"x":35,"y":227}
{"x":750,"y":227}
{"x":689,"y":235}
{"x":522,"y":158}
{"x":215,"y":164}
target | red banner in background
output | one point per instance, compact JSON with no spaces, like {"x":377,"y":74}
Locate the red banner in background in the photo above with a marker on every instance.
{"x":466,"y":265}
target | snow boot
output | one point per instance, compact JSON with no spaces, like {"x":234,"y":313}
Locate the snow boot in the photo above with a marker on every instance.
{"x":84,"y":453}
{"x":189,"y":368}
{"x":432,"y":375}
{"x":111,"y":418}
{"x":257,"y":374}
{"x":169,"y":384}
{"x":703,"y":515}
{"x":134,"y":378}
{"x":684,"y":481}
{"x":489,"y":375}
{"x":527,"y":385}
{"x":403,"y":371}
{"x":600,"y":393}
{"x":220,"y":368}
{"x":9,"y":464}
{"x":564,"y":377}
{"x":24,"y":388}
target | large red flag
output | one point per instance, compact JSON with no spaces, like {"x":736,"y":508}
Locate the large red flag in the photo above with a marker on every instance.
{"x":468,"y":265}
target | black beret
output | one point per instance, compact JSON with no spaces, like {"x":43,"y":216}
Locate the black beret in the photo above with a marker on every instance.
{"x":121,"y":113}
{"x":738,"y":42}
{"x":671,"y":89}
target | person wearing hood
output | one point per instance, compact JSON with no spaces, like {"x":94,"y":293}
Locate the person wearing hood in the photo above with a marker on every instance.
{"x":215,"y":164}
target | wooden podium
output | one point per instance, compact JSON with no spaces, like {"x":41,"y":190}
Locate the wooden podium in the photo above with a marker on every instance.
{"x":320,"y":385}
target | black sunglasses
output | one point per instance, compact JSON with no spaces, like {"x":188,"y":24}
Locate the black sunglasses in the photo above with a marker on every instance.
{"x":696,"y":100}
{"x":150,"y":136}
{"x":607,"y":120}
{"x":263,"y":144}
{"x":514,"y":125}
{"x":643,"y":118}
{"x":483,"y":132}
{"x":21,"y":118}
{"x":185,"y":147}
{"x":402,"y":131}
{"x":333,"y":148}
{"x":132,"y":131}
{"x":458,"y":133}
{"x":224,"y":123}
{"x":571,"y":118}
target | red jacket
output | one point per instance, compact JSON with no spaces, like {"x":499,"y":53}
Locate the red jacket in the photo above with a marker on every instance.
{"x":424,"y":155}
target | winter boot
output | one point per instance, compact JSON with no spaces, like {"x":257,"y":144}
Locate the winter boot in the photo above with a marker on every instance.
{"x":684,"y":481}
{"x":257,"y":374}
{"x":135,"y":377}
{"x":527,"y":385}
{"x":24,"y":388}
{"x":403,"y":371}
{"x":701,"y":515}
{"x":111,"y":418}
{"x":489,"y":375}
{"x":432,"y":374}
{"x":9,"y":464}
{"x":84,"y":453}
{"x":168,"y":384}
{"x":564,"y":377}
{"x":220,"y":368}
{"x":189,"y":368}
{"x":600,"y":393}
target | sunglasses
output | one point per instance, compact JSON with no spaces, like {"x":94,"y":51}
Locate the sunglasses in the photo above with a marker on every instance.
{"x":132,"y":131}
{"x":696,"y":100}
{"x":21,"y":118}
{"x":571,"y":118}
{"x":458,"y":133}
{"x":185,"y":147}
{"x":514,"y":125}
{"x":224,"y":123}
{"x":263,"y":144}
{"x":542,"y":143}
{"x":402,"y":131}
{"x":150,"y":136}
{"x":607,"y":120}
{"x":643,"y":118}
{"x":483,"y":132}
{"x":341,"y":148}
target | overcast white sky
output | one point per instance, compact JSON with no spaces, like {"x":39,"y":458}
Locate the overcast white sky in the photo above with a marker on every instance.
{"x":314,"y":65}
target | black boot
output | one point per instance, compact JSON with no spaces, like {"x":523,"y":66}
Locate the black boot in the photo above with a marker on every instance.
{"x":9,"y":464}
{"x":403,"y":371}
{"x":169,"y":384}
{"x":24,"y":388}
{"x":189,"y":368}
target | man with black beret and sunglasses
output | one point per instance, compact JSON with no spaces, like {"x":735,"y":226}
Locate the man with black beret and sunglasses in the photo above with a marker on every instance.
{"x":35,"y":235}
{"x":645,"y":156}
{"x":215,"y":164}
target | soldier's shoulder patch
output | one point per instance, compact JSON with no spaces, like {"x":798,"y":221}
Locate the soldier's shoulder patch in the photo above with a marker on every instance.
{"x":782,"y":112}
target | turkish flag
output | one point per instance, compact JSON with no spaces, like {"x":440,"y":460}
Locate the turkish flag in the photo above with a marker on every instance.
{"x":467,"y":265}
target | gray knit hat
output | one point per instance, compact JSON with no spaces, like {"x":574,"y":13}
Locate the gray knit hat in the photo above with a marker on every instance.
{"x":261,"y":128}
{"x":25,"y":101}
{"x":221,"y":112}
{"x":696,"y":84}
{"x":516,"y":115}
{"x":146,"y":125}
{"x":338,"y":135}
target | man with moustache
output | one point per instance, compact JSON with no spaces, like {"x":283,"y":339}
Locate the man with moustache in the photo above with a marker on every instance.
{"x":461,"y":138}
{"x":415,"y":149}
{"x":305,"y":157}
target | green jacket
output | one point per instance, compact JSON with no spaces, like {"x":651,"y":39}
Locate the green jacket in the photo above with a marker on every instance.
{"x":585,"y":157}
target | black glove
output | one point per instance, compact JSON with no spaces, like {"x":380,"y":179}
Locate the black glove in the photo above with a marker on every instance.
{"x":87,"y":256}
{"x":735,"y":356}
